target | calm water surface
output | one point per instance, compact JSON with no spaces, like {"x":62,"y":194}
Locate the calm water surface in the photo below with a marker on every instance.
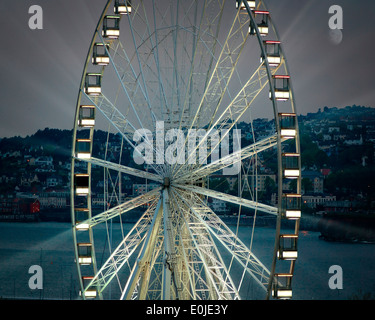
{"x":50,"y":245}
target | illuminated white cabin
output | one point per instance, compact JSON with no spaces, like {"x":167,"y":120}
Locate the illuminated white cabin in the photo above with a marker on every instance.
{"x":81,"y":184}
{"x":272,"y":49}
{"x":89,"y":293}
{"x":281,"y":87}
{"x":81,"y":215}
{"x":83,"y":149}
{"x":287,"y":247}
{"x":93,"y":84}
{"x":111,"y":27}
{"x":123,"y":7}
{"x":288,"y":125}
{"x":84,"y":253}
{"x":86,"y":116}
{"x":291,"y":206}
{"x":100,"y":54}
{"x":282,"y":286}
{"x":290,"y":165}
{"x":261,"y":19}
{"x":240,"y":4}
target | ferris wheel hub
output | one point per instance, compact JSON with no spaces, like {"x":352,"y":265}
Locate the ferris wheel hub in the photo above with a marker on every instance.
{"x":166,"y":182}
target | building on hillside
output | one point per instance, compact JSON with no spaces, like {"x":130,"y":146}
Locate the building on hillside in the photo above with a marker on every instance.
{"x":316,"y":179}
{"x":218,"y":206}
{"x":53,"y":199}
{"x":259,"y":181}
{"x":44,"y":161}
{"x":313,"y":200}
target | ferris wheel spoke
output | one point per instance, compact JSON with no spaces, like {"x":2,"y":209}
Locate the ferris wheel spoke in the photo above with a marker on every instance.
{"x":129,"y":80}
{"x":229,"y":240}
{"x":186,"y":271}
{"x":228,"y":119}
{"x":123,"y":251}
{"x":123,"y":125}
{"x":233,"y":244}
{"x":145,"y":255}
{"x":119,"y":210}
{"x":117,"y":119}
{"x":133,"y":32}
{"x":138,"y":78}
{"x":204,"y":37}
{"x":229,"y":198}
{"x":229,"y":160}
{"x":122,"y":168}
{"x":215,"y":270}
{"x":113,"y":115}
{"x":217,"y":274}
{"x":242,"y":100}
{"x":223,"y":71}
{"x":162,"y":91}
{"x":130,"y":96}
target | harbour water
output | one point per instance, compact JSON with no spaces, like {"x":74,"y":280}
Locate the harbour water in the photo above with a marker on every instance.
{"x":50,"y":245}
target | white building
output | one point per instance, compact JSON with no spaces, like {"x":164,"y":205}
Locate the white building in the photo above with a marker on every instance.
{"x":218,"y":206}
{"x":44,"y":161}
{"x":316,"y":179}
{"x":258,"y":181}
{"x":54,"y":199}
{"x":313,"y":200}
{"x":354,"y":142}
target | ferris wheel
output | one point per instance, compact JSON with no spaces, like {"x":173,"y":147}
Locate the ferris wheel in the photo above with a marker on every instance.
{"x":185,"y":145}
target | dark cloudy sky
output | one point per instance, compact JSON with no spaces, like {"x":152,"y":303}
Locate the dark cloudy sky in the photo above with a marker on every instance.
{"x":40,"y":70}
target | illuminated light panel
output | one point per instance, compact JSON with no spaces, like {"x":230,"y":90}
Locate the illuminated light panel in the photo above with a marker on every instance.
{"x":251,"y":4}
{"x":282,"y":294}
{"x":282,"y":95}
{"x":263,"y":30}
{"x":82,"y":227}
{"x":86,"y":122}
{"x":100,"y":60}
{"x":93,"y":90}
{"x":291,"y":173}
{"x":83,"y":155}
{"x":122,"y":9}
{"x":288,"y":255}
{"x":281,"y":77}
{"x":90,"y":293}
{"x":111,"y":33}
{"x":274,"y":61}
{"x":293,"y":214}
{"x":84,"y":260}
{"x":288,"y":133}
{"x":82,"y":191}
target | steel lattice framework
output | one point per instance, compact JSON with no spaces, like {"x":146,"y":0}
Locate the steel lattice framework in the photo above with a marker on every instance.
{"x":164,"y":87}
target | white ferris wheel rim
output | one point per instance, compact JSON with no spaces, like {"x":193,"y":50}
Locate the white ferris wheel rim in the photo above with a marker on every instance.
{"x":175,"y":181}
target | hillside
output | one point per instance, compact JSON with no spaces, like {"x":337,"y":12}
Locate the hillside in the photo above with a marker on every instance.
{"x":338,"y":142}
